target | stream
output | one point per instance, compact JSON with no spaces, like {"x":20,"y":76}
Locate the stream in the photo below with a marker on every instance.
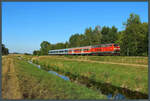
{"x":51,"y":72}
{"x":109,"y":96}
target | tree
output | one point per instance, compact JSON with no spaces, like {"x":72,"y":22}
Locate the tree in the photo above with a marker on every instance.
{"x":133,"y":19}
{"x":88,"y":36}
{"x":27,"y":54}
{"x":82,"y":40}
{"x":133,"y":40}
{"x":66,"y":44}
{"x":96,"y":36}
{"x":74,"y":40}
{"x":144,"y":30}
{"x":5,"y":51}
{"x":59,"y":46}
{"x":109,"y":34}
{"x":36,"y":52}
{"x":105,"y":33}
{"x":45,"y":47}
{"x":112,"y":34}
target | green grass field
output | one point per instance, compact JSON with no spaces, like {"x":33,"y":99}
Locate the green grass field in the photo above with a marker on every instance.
{"x":89,"y":78}
{"x":132,"y":78}
{"x":36,"y":83}
{"x":116,"y":59}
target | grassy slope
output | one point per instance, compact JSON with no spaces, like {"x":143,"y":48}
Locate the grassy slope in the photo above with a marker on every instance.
{"x":39,"y":84}
{"x":134,"y":78}
{"x":116,"y":59}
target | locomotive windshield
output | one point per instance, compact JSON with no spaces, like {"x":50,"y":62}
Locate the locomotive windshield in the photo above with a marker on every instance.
{"x":116,"y":45}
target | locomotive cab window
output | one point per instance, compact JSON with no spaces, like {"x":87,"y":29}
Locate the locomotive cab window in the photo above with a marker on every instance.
{"x":115,"y":45}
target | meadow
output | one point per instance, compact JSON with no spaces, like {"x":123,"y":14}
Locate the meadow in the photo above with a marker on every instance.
{"x":91,"y":77}
{"x":130,"y":80}
{"x":115,"y":59}
{"x":21,"y":80}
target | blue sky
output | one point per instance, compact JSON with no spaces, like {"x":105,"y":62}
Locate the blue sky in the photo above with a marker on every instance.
{"x":26,"y":24}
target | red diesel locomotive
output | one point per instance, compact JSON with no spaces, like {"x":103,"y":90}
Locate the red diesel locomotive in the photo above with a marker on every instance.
{"x":101,"y":49}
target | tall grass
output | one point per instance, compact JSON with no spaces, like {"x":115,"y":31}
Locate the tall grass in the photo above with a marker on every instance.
{"x":130,"y":77}
{"x":39,"y":84}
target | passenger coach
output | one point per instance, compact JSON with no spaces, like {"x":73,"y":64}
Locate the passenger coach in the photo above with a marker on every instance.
{"x":101,"y":49}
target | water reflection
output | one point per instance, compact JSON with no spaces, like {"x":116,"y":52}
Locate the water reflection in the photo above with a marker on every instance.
{"x":52,"y":72}
{"x":63,"y":77}
{"x":116,"y":97}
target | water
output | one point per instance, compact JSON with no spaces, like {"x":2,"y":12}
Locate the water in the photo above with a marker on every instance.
{"x":52,"y":72}
{"x":34,"y":64}
{"x":63,"y":77}
{"x":116,"y":97}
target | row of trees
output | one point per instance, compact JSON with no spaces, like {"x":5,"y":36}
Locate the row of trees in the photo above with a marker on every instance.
{"x":133,"y":40}
{"x":5,"y":50}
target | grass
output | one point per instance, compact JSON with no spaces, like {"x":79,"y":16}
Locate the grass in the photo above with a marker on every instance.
{"x":130,"y":77}
{"x":34,"y":83}
{"x":39,"y":84}
{"x":116,"y":59}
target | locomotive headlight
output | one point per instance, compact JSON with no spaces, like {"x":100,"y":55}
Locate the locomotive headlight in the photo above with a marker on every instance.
{"x":117,"y":49}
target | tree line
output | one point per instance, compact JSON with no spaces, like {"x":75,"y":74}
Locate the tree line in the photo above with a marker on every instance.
{"x":5,"y":50}
{"x":133,"y":40}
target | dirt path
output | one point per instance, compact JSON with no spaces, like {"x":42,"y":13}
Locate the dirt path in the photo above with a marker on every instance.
{"x":10,"y":84}
{"x":105,"y":62}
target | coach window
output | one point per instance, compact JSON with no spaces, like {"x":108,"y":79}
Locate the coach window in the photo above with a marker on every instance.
{"x":105,"y":45}
{"x":85,"y":49}
{"x":98,"y":45}
{"x":95,"y":46}
{"x":102,"y":45}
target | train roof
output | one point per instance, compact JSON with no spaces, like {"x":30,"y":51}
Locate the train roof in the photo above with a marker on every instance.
{"x":71,"y":48}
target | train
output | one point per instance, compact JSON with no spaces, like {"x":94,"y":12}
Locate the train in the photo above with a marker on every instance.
{"x":100,"y":49}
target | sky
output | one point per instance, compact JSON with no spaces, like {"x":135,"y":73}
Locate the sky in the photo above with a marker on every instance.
{"x":26,"y":24}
